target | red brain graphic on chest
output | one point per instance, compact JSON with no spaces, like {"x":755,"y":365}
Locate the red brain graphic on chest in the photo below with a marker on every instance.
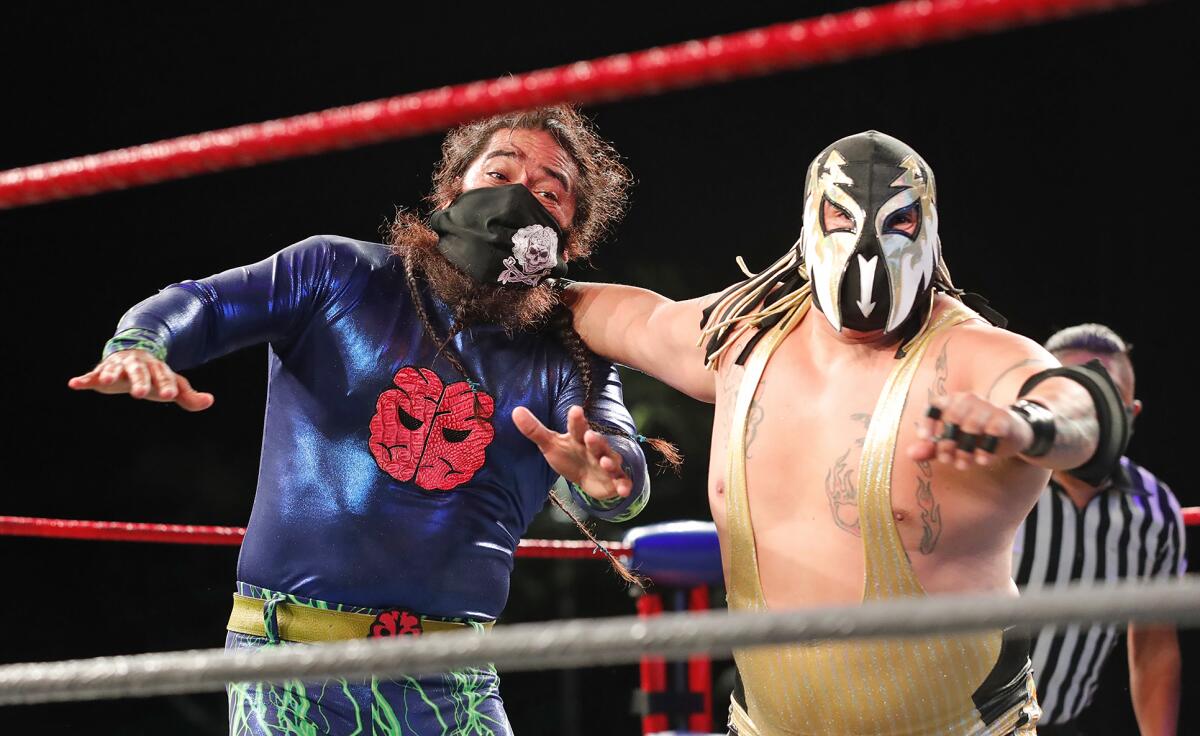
{"x":431,"y":434}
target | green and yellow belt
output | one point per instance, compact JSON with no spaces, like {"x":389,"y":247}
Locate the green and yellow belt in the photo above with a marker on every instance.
{"x":309,"y":625}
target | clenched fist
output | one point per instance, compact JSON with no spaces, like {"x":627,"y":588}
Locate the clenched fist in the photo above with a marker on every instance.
{"x":963,"y":428}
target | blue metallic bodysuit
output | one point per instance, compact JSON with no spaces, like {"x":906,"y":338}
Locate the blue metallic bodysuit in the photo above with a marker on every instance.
{"x":386,"y":479}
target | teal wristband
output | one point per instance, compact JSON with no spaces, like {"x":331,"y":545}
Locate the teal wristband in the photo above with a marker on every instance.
{"x":135,"y":338}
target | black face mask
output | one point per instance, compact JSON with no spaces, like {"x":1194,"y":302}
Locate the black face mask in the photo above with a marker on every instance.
{"x":500,"y":235}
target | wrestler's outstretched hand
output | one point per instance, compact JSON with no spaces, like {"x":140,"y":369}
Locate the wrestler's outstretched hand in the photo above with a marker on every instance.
{"x":580,"y":455}
{"x":142,"y":376}
{"x":963,"y":429}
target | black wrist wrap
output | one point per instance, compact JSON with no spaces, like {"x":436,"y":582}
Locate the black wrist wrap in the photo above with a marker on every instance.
{"x":1041,"y":421}
{"x":1110,"y":413}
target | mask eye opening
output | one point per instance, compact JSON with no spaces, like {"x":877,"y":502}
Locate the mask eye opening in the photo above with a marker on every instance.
{"x":825,"y":200}
{"x":890,"y":224}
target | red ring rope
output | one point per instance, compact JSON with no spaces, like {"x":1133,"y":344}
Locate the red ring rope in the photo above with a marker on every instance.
{"x":131,"y":531}
{"x":829,"y":38}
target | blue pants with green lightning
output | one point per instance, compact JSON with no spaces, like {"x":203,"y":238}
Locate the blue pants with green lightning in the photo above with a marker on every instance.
{"x":460,"y":703}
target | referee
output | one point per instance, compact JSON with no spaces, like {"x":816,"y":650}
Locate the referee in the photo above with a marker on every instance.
{"x":1130,"y":527}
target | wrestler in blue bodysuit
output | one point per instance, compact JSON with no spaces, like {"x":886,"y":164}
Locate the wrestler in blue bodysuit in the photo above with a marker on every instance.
{"x":387,"y":480}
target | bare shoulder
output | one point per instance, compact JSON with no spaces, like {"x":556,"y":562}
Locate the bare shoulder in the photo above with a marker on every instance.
{"x":995,"y":344}
{"x":997,"y":361}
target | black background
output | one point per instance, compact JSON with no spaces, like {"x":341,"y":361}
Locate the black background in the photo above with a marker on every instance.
{"x":1065,"y":197}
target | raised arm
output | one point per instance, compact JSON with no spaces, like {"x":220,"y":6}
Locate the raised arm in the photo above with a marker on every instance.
{"x":645,"y":331}
{"x":1019,"y":402}
{"x":192,"y":322}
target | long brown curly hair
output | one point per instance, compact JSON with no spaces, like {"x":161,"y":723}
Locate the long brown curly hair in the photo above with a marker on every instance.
{"x":601,"y":191}
{"x":600,"y":200}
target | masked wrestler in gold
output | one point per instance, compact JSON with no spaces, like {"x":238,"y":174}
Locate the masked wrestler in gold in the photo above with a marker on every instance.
{"x":874,"y":438}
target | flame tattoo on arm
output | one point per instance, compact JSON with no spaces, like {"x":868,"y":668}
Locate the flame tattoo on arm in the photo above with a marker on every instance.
{"x":931,"y":510}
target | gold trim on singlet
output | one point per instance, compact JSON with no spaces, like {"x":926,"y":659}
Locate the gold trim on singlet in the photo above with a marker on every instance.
{"x":897,"y":687}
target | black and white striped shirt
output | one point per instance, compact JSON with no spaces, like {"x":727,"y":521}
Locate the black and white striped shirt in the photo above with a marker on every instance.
{"x":1133,"y":528}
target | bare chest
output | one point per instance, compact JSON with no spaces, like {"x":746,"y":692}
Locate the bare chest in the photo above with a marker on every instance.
{"x":804,"y":439}
{"x":805,"y":430}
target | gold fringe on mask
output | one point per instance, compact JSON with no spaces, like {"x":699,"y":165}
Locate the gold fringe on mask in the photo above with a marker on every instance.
{"x":740,"y":309}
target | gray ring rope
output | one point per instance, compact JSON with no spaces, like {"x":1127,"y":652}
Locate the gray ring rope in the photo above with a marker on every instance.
{"x":591,"y":642}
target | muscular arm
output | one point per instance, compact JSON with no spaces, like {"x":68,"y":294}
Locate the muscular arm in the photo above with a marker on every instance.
{"x":1154,"y":667}
{"x":1011,"y":362}
{"x":646,"y":331}
{"x":995,"y":364}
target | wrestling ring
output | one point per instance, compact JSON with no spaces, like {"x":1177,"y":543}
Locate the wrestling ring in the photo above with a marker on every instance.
{"x":681,"y":558}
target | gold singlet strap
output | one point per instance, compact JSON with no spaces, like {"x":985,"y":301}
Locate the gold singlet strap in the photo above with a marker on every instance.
{"x":744,"y":588}
{"x":906,"y":687}
{"x":887,"y":572}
